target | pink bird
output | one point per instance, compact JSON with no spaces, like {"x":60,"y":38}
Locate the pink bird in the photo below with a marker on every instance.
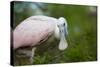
{"x":35,"y":29}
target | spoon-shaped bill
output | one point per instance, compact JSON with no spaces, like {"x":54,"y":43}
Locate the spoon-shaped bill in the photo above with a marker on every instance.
{"x":63,"y":43}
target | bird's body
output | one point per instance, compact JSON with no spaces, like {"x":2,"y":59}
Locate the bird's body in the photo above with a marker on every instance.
{"x":32,"y":30}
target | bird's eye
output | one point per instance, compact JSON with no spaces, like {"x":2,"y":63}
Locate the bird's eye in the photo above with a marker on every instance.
{"x":64,"y":24}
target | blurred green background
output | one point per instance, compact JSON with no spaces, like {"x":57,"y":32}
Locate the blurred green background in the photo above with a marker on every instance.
{"x":82,"y":30}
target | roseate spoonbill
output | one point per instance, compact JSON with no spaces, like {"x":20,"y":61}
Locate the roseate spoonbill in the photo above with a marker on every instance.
{"x":31,"y":31}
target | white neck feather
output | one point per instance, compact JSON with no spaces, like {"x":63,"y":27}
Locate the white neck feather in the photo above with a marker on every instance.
{"x":56,"y":32}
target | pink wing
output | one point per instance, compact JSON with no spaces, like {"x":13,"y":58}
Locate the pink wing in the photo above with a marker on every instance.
{"x":32,"y":30}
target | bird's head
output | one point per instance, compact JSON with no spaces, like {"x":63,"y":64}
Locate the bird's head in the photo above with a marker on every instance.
{"x":63,"y":32}
{"x":62,"y":25}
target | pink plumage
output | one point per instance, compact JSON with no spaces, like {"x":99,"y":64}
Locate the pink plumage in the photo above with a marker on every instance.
{"x":32,"y":30}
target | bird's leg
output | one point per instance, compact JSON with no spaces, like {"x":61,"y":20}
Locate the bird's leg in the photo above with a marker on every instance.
{"x":32,"y":54}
